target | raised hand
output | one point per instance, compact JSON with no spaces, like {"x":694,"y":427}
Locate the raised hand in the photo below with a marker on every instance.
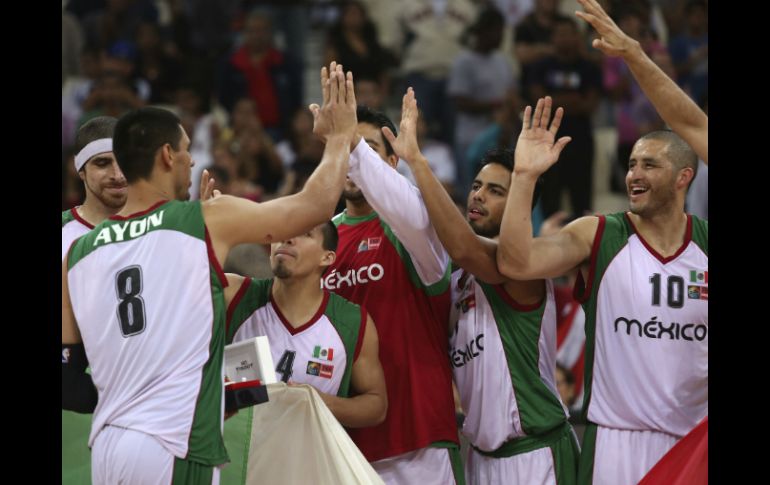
{"x":612,"y":41}
{"x":207,"y":190}
{"x":405,"y":144}
{"x":536,"y":151}
{"x":337,"y":115}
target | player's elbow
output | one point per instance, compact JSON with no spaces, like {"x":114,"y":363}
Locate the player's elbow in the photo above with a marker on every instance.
{"x":511,"y":265}
{"x":380,"y":412}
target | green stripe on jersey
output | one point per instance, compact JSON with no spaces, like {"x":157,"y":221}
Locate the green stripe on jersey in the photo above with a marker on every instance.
{"x":700,"y":233}
{"x":185,"y":217}
{"x":66,"y":217}
{"x":436,"y":288}
{"x":206,"y":444}
{"x":256,"y":296}
{"x":614,"y":238}
{"x":346,"y":318}
{"x":539,"y":408}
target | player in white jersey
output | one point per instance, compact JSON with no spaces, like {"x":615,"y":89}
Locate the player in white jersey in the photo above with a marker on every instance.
{"x":316,"y":337}
{"x":676,"y":108}
{"x":142,"y":294}
{"x":104,"y":182}
{"x":643,"y":282}
{"x":502,"y":332}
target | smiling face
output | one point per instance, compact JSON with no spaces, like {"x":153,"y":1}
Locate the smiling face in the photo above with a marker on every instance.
{"x":301,"y":256}
{"x":105,"y":181}
{"x":486,"y":200}
{"x":651,"y":178}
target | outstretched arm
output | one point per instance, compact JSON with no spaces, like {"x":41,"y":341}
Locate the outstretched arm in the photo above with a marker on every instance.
{"x":473,"y":253}
{"x":676,"y":108}
{"x":398,"y":202}
{"x":233,"y":221}
{"x":519,"y":255}
{"x":370,"y":404}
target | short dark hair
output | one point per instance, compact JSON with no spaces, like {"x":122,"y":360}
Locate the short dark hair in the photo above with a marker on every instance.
{"x":138,"y":136}
{"x":505,"y":157}
{"x":94,"y":129}
{"x":330,"y":236}
{"x":379,"y":119}
{"x":678,"y":151}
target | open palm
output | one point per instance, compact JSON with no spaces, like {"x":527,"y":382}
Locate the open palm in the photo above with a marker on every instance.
{"x":536,"y":150}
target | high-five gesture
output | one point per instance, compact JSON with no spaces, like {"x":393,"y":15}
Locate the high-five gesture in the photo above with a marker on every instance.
{"x":676,"y":108}
{"x":405,"y":144}
{"x":612,"y":41}
{"x":536,"y":150}
{"x":337,"y":116}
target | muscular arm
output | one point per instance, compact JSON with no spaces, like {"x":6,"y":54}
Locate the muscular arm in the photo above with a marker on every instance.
{"x":521,"y":256}
{"x":473,"y":253}
{"x":232,"y":221}
{"x":676,"y":108}
{"x":370,"y":404}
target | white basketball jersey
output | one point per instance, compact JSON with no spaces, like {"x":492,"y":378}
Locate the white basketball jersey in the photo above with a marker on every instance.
{"x":148,"y":301}
{"x":503,"y":356}
{"x":72,"y":227}
{"x":647,"y":321}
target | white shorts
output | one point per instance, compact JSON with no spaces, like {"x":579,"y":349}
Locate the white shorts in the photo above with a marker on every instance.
{"x":121,"y":455}
{"x":623,"y":457}
{"x":533,"y":468}
{"x":426,"y":466}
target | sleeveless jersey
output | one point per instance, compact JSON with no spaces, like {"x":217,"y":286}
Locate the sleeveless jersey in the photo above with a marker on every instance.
{"x":320,"y":353}
{"x":646,"y":355}
{"x":374,"y":270}
{"x":72,"y":227}
{"x":503,"y":356}
{"x":147,"y":293}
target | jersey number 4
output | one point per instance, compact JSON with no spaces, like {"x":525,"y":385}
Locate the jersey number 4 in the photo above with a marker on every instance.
{"x":131,"y":315}
{"x":286,"y":365}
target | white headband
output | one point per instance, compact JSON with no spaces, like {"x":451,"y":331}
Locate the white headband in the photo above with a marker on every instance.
{"x":102,"y":145}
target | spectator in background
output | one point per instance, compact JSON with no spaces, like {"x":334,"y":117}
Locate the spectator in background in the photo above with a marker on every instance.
{"x":161,"y":71}
{"x":533,"y":40}
{"x":352,"y":42}
{"x":480,"y":79}
{"x":300,"y":142}
{"x":575,"y":84}
{"x":690,"y":51}
{"x":238,"y":181}
{"x":634,"y":113}
{"x":268,"y":76}
{"x":370,"y":92}
{"x":194,"y":111}
{"x":439,"y":156}
{"x":431,"y":32}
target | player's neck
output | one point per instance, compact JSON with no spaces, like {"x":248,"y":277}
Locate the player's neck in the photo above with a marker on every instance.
{"x":665,"y":232}
{"x":358,"y":208}
{"x":143,"y":194}
{"x":289,"y":292}
{"x":94,"y":212}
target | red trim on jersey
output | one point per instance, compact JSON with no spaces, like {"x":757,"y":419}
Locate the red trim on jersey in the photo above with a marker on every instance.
{"x":361,"y":332}
{"x":140,"y":213}
{"x":687,"y":239}
{"x":513,"y":303}
{"x":244,"y":385}
{"x":579,"y":283}
{"x":80,"y":219}
{"x":213,"y":259}
{"x":304,"y":326}
{"x":234,"y":303}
